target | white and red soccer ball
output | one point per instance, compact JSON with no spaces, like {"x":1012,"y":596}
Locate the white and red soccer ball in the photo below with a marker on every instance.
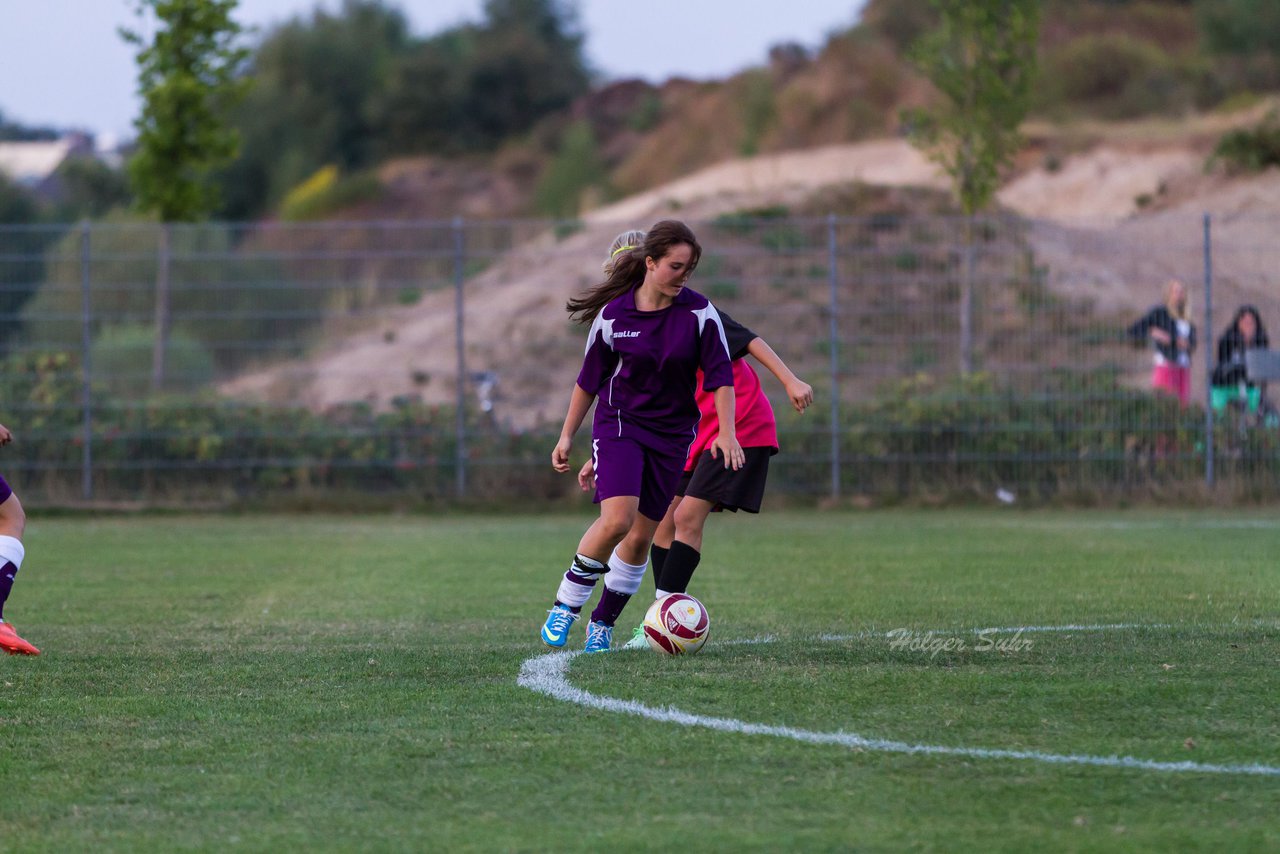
{"x":676,"y":624}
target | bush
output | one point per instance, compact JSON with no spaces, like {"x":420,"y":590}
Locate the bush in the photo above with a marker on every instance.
{"x":326,"y":192}
{"x":576,"y":169}
{"x":123,"y":357}
{"x":1116,"y":75}
{"x":1080,"y":434}
{"x":1249,"y":150}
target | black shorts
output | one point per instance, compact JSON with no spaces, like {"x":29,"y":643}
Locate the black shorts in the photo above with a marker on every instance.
{"x":725,"y":488}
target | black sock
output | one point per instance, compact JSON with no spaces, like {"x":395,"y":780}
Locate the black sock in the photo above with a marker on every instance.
{"x":677,"y":569}
{"x":7,"y":572}
{"x":658,"y":555}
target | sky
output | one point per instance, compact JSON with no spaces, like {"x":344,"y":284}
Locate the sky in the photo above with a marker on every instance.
{"x":63,"y":65}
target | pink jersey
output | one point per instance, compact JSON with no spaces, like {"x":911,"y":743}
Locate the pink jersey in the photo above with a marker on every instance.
{"x":756,"y":426}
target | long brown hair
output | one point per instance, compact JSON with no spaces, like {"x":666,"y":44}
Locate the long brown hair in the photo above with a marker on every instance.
{"x":629,"y":268}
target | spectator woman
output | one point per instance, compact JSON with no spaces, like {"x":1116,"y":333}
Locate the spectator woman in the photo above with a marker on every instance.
{"x":1230,"y":374}
{"x":1171,"y":333}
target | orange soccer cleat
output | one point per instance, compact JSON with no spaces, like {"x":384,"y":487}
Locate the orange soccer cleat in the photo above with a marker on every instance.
{"x":12,"y":644}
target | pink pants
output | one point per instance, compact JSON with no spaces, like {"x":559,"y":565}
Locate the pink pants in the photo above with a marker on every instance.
{"x":1173,"y":379}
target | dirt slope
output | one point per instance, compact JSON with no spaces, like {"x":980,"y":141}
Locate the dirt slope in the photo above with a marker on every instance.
{"x":1092,"y":210}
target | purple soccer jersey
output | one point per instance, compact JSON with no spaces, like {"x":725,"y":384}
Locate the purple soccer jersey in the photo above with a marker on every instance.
{"x":642,"y":367}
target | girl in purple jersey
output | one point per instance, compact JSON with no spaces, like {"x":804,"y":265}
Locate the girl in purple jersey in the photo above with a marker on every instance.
{"x":12,"y":523}
{"x":649,"y":335}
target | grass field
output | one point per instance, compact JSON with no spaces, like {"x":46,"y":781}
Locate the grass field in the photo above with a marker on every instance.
{"x":350,"y":683}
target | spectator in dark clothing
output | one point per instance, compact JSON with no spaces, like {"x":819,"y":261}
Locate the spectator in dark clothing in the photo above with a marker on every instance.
{"x":1230,"y":376}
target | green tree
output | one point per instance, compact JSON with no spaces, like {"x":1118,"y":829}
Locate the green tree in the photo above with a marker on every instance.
{"x":21,"y":255}
{"x":17,"y":206}
{"x":423,"y":106}
{"x":472,"y":87}
{"x":982,"y":59}
{"x":89,"y":188}
{"x":1240,"y":27}
{"x":11,"y":131}
{"x":316,"y":80}
{"x":528,"y":63}
{"x":188,"y":77}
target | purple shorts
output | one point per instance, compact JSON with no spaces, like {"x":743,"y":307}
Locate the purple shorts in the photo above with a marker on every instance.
{"x":626,"y":467}
{"x":5,"y":490}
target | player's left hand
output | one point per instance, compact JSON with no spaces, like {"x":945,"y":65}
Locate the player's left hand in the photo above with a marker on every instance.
{"x":587,"y":476}
{"x":801,"y":395}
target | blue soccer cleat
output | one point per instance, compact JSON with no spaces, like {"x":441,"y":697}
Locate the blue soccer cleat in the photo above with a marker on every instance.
{"x":555,"y":631}
{"x":599,"y":637}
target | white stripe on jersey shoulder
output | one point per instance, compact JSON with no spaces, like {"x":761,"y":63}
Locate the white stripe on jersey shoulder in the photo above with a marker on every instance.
{"x":709,"y":313}
{"x":605,"y":326}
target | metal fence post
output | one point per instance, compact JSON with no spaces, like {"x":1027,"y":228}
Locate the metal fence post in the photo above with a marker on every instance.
{"x":966,"y":299}
{"x":162,"y":311}
{"x":1208,"y":338}
{"x":833,"y":280}
{"x":459,"y":271}
{"x":86,"y":366}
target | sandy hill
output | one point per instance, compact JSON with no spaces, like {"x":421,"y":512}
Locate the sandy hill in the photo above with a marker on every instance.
{"x":1091,"y":210}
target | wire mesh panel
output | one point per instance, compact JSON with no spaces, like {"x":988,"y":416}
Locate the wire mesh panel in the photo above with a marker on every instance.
{"x":951,"y":357}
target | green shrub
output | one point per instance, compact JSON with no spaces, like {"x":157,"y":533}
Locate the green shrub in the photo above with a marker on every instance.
{"x":123,"y":356}
{"x":1250,"y":150}
{"x":647,"y":114}
{"x":1115,"y":75}
{"x":1076,"y":434}
{"x":744,"y":222}
{"x":222,"y":288}
{"x":326,"y":192}
{"x":758,"y":110}
{"x":1073,"y":434}
{"x":576,"y":168}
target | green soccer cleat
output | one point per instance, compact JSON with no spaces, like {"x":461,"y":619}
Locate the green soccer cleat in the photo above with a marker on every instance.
{"x":638,"y":640}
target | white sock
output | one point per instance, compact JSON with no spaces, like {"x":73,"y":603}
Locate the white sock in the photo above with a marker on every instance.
{"x":12,"y":551}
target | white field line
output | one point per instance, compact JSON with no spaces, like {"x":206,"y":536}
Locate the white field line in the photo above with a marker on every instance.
{"x":1144,"y":524}
{"x":1104,"y":627}
{"x":548,"y":674}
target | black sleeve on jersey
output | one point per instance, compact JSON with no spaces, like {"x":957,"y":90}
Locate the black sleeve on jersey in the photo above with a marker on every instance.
{"x":738,"y":336}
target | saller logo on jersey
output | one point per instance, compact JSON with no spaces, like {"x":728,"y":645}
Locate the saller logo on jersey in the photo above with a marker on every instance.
{"x":634,"y":333}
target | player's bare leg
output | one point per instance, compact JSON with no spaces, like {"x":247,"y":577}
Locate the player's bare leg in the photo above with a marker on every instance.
{"x":13,"y":522}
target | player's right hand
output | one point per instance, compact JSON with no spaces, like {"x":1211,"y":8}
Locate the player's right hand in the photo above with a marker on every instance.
{"x":560,"y":456}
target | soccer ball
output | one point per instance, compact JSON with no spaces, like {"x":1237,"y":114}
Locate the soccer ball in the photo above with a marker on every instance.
{"x":676,"y":624}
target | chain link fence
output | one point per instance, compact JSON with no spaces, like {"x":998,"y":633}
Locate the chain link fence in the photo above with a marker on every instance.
{"x":951,"y":358}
